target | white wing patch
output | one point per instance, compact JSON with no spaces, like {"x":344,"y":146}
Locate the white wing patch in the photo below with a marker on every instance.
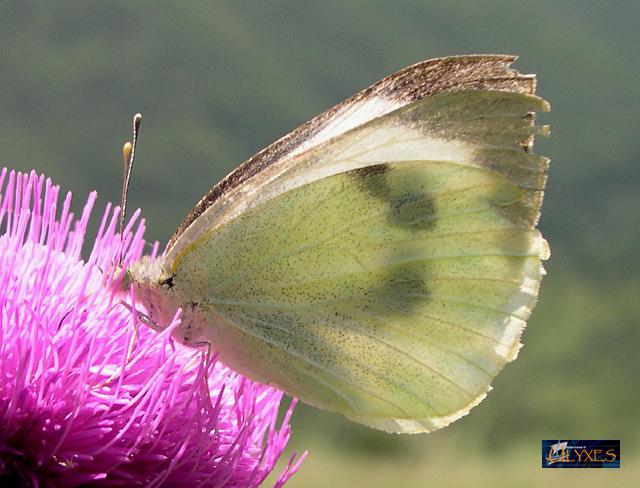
{"x":349,"y":118}
{"x":509,"y":341}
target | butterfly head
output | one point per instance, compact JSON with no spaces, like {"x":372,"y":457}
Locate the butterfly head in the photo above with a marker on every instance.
{"x":153,"y":288}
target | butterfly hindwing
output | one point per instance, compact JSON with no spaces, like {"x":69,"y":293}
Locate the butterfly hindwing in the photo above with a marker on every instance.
{"x":386,"y":273}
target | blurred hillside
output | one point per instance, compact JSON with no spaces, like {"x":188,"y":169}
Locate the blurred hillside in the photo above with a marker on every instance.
{"x":217,"y":81}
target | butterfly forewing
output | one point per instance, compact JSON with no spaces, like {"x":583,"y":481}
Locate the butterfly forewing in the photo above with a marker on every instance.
{"x":422,"y":80}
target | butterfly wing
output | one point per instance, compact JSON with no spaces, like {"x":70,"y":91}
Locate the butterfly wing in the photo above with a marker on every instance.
{"x":387,"y":272}
{"x":254,"y":180}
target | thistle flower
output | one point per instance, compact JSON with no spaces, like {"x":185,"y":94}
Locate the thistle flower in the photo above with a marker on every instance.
{"x":90,"y":397}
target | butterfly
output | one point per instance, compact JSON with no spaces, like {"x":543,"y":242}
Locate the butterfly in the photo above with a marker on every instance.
{"x":381,"y":260}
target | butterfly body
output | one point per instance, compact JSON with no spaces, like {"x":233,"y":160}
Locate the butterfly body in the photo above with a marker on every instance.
{"x":380,"y":261}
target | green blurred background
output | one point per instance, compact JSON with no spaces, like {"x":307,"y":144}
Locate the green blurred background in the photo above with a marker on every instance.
{"x":217,"y":81}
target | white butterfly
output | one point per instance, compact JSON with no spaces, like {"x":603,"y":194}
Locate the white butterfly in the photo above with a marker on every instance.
{"x":379,"y":261}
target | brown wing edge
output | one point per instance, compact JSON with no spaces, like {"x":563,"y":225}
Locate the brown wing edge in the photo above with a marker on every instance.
{"x":479,"y":71}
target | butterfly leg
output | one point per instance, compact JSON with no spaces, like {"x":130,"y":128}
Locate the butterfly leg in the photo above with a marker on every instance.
{"x":144,"y":318}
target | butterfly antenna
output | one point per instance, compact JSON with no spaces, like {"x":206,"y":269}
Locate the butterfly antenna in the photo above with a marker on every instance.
{"x":128,"y":153}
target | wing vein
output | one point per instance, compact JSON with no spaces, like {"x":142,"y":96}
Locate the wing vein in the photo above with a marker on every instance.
{"x":353,"y":225}
{"x":321,"y":367}
{"x":365,"y":333}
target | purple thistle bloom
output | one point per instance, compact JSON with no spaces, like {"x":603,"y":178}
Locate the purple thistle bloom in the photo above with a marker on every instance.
{"x":91,"y":397}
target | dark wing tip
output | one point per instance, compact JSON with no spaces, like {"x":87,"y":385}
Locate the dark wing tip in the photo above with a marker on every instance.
{"x":472,"y":71}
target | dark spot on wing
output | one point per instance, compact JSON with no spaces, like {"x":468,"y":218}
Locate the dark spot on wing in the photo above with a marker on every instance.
{"x":413,"y":210}
{"x":372,"y":180}
{"x":374,"y":170}
{"x":402,"y":289}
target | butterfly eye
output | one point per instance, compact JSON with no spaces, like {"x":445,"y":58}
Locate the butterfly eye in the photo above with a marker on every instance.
{"x":167,"y":282}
